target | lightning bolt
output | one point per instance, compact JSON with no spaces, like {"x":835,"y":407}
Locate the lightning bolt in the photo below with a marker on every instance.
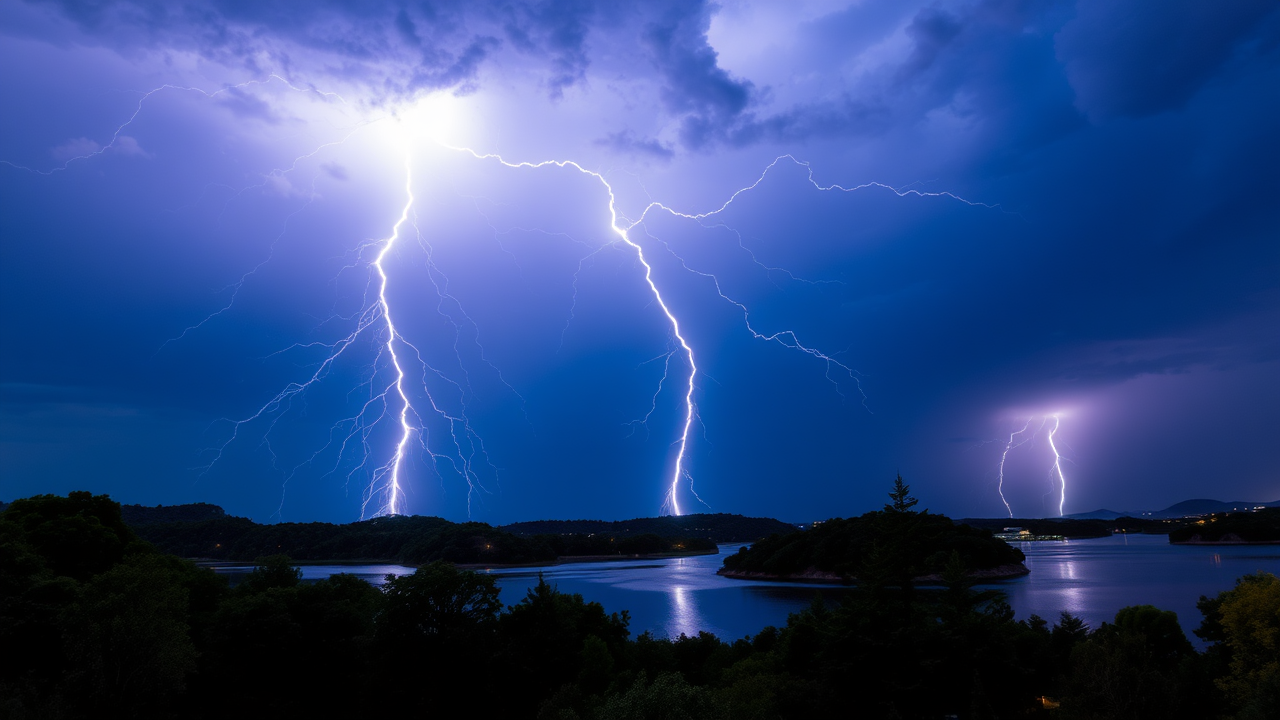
{"x":390,"y":400}
{"x":1004,"y":456}
{"x":1055,"y":470}
{"x":1057,"y":465}
{"x":392,"y":467}
{"x":672,"y":501}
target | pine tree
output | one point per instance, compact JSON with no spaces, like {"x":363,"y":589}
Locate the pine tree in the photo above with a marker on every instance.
{"x":902,"y":500}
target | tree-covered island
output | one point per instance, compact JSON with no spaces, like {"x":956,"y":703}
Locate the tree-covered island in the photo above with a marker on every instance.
{"x":897,"y":542}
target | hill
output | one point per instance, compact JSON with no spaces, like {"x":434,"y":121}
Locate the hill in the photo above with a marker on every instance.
{"x":1100,"y":514}
{"x":1184,"y":509}
{"x":1192,"y":508}
{"x":205,"y":531}
{"x":717,"y":527}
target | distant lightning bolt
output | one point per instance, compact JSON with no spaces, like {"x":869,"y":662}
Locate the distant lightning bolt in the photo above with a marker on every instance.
{"x":1009,"y":446}
{"x":1057,"y":466}
{"x":1058,"y":478}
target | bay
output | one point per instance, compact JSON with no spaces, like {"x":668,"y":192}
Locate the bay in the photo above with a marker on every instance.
{"x":1091,"y":579}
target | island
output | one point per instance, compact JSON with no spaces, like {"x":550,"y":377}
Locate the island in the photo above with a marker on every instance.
{"x":896,"y":545}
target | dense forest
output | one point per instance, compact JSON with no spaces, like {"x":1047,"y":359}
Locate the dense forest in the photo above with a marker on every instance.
{"x":1258,"y":526}
{"x":95,"y":622}
{"x":204,"y":531}
{"x":896,"y":543}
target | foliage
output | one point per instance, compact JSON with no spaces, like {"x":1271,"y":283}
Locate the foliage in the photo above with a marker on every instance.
{"x":1244,"y":622}
{"x":77,"y":536}
{"x":1134,"y":669}
{"x":126,"y":631}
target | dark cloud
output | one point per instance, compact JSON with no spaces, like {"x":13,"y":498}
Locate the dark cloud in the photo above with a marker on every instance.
{"x":556,"y":29}
{"x":930,"y":31}
{"x":695,"y":88}
{"x":1134,"y":58}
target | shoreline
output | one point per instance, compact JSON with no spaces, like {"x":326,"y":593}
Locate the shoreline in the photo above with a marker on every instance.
{"x":823,"y":577}
{"x":566,"y":560}
{"x":572,"y":559}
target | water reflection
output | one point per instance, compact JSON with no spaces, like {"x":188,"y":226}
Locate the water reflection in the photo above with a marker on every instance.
{"x":685,"y":619}
{"x":1088,"y":578}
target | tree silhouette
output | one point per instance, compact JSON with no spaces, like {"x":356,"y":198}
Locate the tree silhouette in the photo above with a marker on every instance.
{"x":902,"y":500}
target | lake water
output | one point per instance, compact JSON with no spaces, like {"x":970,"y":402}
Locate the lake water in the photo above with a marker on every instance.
{"x":1088,"y":578}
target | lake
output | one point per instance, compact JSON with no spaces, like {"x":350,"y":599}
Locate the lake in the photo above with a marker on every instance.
{"x":1088,"y":578}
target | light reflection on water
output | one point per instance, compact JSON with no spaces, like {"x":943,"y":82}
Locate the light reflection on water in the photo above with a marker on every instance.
{"x":1088,"y":578}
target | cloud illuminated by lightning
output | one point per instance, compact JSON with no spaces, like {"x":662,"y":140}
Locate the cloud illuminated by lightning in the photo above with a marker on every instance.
{"x":117,"y":135}
{"x":389,"y":399}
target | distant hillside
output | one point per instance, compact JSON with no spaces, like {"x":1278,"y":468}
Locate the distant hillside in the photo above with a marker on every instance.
{"x":202,"y":530}
{"x":1261,"y":526}
{"x":717,"y":527}
{"x":1184,"y":509}
{"x":1102,"y":514}
{"x":138,"y":515}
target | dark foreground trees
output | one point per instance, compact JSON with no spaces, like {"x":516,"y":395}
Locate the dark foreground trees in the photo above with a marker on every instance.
{"x":94,"y":623}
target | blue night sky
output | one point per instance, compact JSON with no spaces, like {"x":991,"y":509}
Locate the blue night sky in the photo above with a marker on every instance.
{"x":893,"y":234}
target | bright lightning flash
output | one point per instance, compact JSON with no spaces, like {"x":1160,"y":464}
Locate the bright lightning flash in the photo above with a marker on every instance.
{"x":1057,"y":465}
{"x":1055,"y":470}
{"x":392,"y":468}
